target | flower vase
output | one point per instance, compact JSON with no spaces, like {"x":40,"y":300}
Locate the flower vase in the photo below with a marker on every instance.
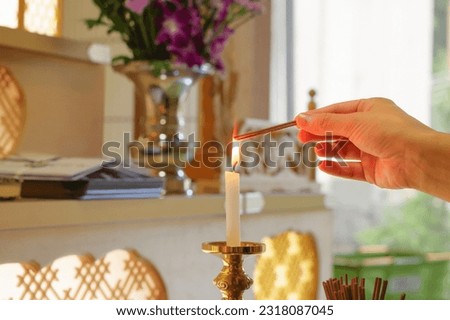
{"x":163,"y":143}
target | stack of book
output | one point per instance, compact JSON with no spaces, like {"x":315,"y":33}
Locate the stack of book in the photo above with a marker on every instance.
{"x":78,"y":178}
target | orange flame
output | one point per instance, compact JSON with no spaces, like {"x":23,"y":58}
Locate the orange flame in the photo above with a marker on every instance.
{"x":235,"y":148}
{"x":235,"y":154}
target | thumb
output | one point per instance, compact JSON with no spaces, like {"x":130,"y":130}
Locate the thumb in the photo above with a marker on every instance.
{"x":322,"y":124}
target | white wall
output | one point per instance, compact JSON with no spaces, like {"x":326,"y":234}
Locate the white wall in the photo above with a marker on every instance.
{"x":119,"y":97}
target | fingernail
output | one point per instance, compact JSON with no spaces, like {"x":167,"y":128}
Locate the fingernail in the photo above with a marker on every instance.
{"x":302,"y":119}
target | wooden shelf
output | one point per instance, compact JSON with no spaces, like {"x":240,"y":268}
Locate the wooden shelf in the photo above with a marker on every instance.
{"x":22,"y":214}
{"x":64,"y":92}
{"x":59,"y":47}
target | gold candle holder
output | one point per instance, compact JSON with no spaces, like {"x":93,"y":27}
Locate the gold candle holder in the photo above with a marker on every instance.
{"x":232,"y":280}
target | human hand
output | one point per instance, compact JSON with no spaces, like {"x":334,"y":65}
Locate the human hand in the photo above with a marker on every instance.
{"x":383,"y":139}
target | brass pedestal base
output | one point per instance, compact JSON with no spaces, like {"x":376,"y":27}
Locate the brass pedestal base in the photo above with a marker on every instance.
{"x":232,"y":280}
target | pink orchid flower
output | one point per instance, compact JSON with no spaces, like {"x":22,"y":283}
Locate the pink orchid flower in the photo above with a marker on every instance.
{"x":137,"y":6}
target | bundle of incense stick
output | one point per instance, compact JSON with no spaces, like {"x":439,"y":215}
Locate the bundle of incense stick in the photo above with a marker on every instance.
{"x":340,"y":289}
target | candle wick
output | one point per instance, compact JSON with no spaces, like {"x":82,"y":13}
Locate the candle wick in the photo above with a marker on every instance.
{"x":234,"y":166}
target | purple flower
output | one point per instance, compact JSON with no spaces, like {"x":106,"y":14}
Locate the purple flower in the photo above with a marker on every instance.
{"x":175,"y":28}
{"x":181,"y":30}
{"x":177,"y":23}
{"x":137,"y":6}
{"x":188,"y":55}
{"x":222,"y":7}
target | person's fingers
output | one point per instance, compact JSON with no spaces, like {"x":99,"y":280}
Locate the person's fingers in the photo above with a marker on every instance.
{"x":339,"y":149}
{"x":341,"y":107}
{"x":350,"y":170}
{"x":305,"y":137}
{"x":328,"y":124}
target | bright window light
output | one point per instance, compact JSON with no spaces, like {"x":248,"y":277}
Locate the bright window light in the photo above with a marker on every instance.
{"x":9,"y":13}
{"x":38,"y":16}
{"x":41,"y":16}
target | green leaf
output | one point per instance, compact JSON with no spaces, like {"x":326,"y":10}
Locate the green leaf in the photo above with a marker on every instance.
{"x":159,"y":67}
{"x":122,"y":59}
{"x":90,"y":23}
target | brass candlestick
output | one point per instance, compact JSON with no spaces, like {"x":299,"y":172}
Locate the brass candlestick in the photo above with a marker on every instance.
{"x":232,"y":280}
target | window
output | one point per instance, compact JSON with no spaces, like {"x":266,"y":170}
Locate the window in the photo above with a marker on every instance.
{"x":350,"y":49}
{"x":38,"y":16}
{"x":440,"y":94}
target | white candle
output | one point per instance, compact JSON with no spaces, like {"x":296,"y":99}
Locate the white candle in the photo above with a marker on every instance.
{"x":232,"y":190}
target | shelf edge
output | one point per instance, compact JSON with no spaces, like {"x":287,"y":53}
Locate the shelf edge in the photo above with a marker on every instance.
{"x":59,"y":47}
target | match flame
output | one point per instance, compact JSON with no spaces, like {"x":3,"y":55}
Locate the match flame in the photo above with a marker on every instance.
{"x":235,"y":155}
{"x":235,"y":150}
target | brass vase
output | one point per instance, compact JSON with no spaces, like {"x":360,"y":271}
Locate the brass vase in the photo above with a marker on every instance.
{"x":162,"y":141}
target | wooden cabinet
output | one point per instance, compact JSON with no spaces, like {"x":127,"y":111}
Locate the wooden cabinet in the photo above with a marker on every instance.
{"x":169,"y":232}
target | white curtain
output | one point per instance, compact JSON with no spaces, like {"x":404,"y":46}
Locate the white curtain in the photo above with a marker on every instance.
{"x":278,"y":62}
{"x":349,"y":49}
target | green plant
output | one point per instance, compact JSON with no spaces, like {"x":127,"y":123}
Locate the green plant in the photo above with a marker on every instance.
{"x":167,"y":32}
{"x":420,"y":225}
